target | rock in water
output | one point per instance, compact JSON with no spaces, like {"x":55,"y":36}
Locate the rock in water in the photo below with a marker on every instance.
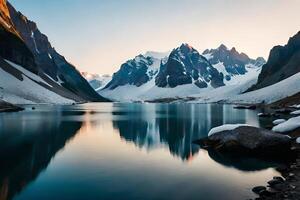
{"x":248,"y":139}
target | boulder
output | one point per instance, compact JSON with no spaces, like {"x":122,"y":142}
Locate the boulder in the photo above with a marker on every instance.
{"x":259,"y":189}
{"x":247,"y":139}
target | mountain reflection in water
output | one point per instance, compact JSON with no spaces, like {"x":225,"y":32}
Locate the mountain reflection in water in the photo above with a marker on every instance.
{"x":96,"y":161}
{"x":28,"y":142}
{"x":175,"y":126}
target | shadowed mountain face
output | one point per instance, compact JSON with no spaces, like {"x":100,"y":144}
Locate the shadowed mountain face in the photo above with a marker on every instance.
{"x":186,"y":66}
{"x":49,"y":61}
{"x":11,"y":45}
{"x":235,"y":63}
{"x":28,"y":147}
{"x":137,"y":71}
{"x":283,"y":62}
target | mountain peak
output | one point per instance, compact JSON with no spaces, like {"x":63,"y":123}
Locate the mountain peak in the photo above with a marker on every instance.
{"x":222,"y":47}
{"x":233,"y":49}
{"x":186,"y":46}
{"x":3,"y":9}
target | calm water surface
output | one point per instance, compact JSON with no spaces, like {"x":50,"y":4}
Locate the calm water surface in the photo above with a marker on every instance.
{"x":123,"y":151}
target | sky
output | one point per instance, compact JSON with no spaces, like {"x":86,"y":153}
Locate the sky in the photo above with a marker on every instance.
{"x":97,"y":36}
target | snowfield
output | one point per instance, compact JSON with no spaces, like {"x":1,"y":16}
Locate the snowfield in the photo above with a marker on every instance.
{"x":27,"y":91}
{"x":270,"y":94}
{"x":233,"y":92}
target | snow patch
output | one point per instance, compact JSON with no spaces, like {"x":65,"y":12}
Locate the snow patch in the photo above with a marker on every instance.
{"x":225,"y":127}
{"x":208,"y":56}
{"x":278,"y":121}
{"x":287,"y":126}
{"x":34,"y":42}
{"x":297,"y":112}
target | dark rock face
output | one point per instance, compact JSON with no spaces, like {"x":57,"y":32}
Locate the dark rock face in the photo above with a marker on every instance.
{"x":186,"y":66}
{"x":47,"y":61}
{"x":246,"y":139}
{"x":283,"y":62}
{"x":11,"y":45}
{"x":233,"y":61}
{"x":134,"y":72}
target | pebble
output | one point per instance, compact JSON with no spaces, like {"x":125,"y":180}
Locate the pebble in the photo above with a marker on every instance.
{"x":278,"y":178}
{"x":259,"y":189}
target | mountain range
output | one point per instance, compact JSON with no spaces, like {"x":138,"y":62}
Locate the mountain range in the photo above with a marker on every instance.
{"x":181,"y":73}
{"x":217,"y":75}
{"x":31,"y":70}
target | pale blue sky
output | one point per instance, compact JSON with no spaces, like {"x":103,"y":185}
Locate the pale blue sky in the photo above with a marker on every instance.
{"x":98,"y":35}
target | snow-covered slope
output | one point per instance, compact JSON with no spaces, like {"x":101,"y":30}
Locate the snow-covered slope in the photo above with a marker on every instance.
{"x":272,"y":93}
{"x":20,"y":86}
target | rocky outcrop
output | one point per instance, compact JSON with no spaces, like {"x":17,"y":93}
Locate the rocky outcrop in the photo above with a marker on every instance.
{"x":248,"y":140}
{"x":186,"y":66}
{"x":7,"y":107}
{"x":283,"y":62}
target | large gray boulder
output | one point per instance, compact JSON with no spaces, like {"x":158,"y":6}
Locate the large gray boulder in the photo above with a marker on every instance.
{"x":247,"y":139}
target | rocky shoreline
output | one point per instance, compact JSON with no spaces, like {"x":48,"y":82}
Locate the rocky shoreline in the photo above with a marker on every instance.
{"x":288,"y":185}
{"x":235,"y":139}
{"x":7,"y":107}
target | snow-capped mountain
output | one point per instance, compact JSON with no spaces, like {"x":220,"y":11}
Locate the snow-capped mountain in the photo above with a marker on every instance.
{"x":97,"y":81}
{"x":31,"y":71}
{"x":182,"y":74}
{"x":278,"y":81}
{"x":186,"y":66}
{"x":230,"y":62}
{"x":137,"y":72}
